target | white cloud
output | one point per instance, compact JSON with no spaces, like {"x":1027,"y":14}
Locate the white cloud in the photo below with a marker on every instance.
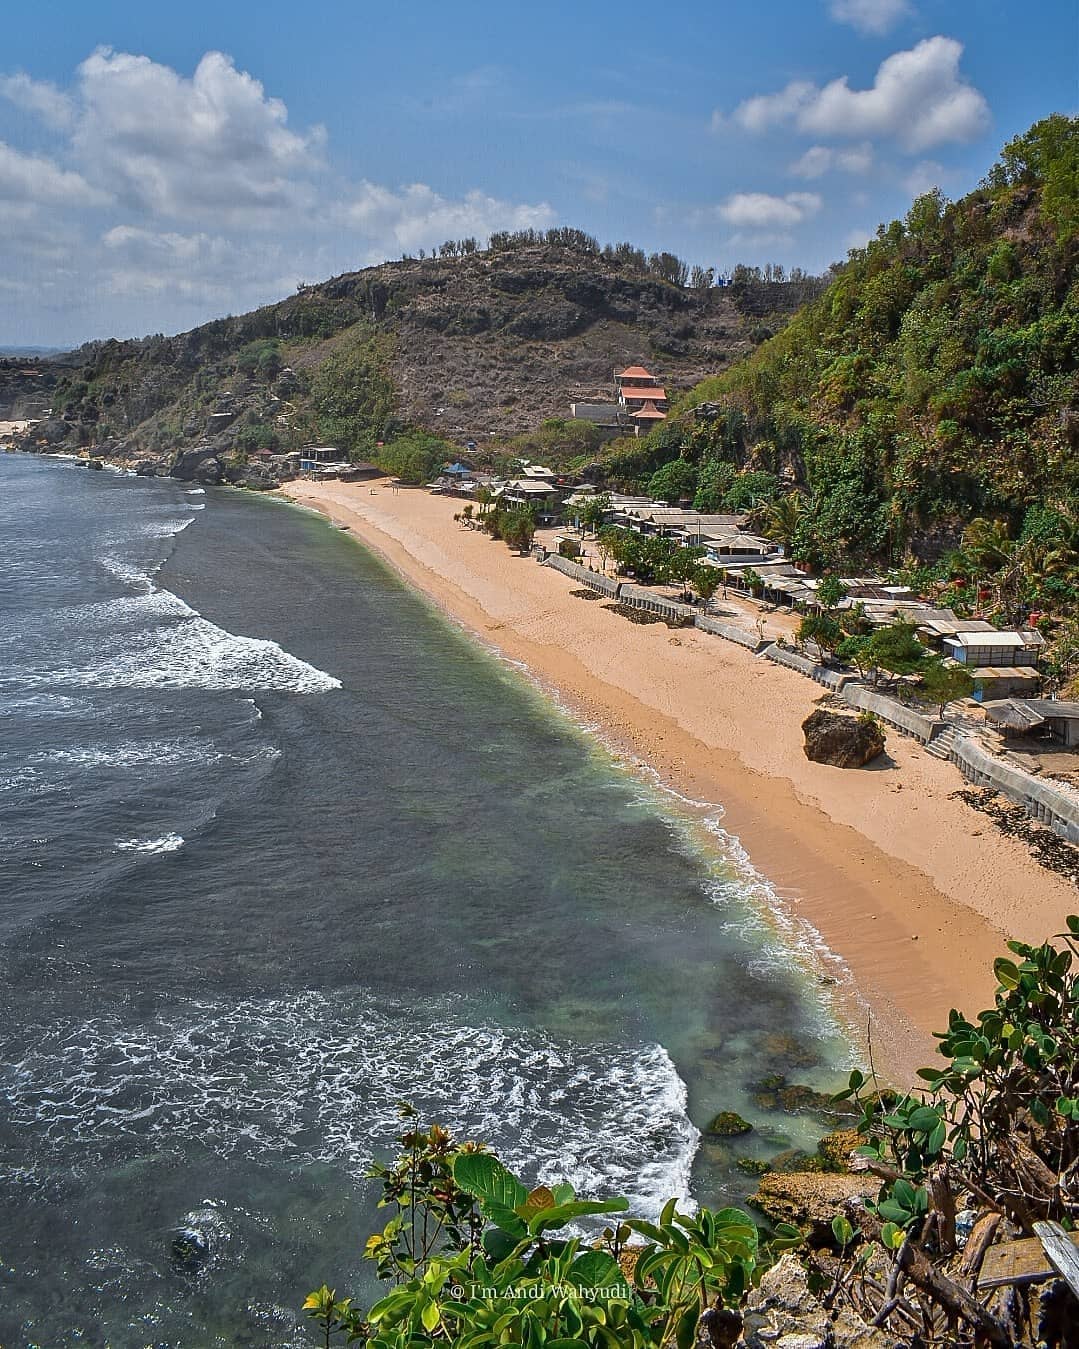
{"x":869,"y":16}
{"x":416,"y":216}
{"x":761,"y":210}
{"x":918,"y":98}
{"x":858,"y":238}
{"x":38,"y":97}
{"x":768,"y":110}
{"x":29,"y":178}
{"x":821,"y":159}
{"x":924,"y":176}
{"x":211,"y":146}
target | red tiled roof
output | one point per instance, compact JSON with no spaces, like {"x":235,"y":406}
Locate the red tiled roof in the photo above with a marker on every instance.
{"x":647,"y":395}
{"x":650,"y":413}
{"x":635,"y":372}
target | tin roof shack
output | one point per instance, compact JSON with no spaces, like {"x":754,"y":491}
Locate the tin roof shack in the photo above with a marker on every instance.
{"x":1002,"y":663}
{"x":1040,"y":718}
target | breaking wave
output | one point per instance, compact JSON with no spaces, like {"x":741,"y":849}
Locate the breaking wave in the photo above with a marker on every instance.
{"x":318,"y":1078}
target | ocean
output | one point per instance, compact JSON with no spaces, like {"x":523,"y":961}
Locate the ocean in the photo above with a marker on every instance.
{"x":280,"y":848}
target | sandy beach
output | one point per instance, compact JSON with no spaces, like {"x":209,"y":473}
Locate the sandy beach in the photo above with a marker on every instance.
{"x":914,"y":890}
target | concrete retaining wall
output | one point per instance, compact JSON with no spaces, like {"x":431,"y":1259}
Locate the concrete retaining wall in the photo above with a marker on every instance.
{"x":639,"y":598}
{"x":730,"y":633}
{"x":592,"y":579}
{"x":893,"y":712}
{"x":830,"y":679}
{"x":1041,"y":800}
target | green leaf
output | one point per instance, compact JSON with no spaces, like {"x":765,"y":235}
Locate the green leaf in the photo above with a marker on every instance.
{"x":936,"y":1139}
{"x":892,"y":1236}
{"x":505,"y":1218}
{"x":1007,"y":972}
{"x":686,"y":1332}
{"x":597,"y":1269}
{"x":561,"y":1214}
{"x":430,"y":1316}
{"x":484,"y":1176}
{"x":923,"y":1118}
{"x":842,"y":1230}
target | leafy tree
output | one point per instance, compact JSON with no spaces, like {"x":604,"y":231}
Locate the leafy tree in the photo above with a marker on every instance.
{"x":779,"y":519}
{"x":706,"y":581}
{"x":413,"y":458}
{"x":674,"y":482}
{"x":749,"y":490}
{"x":943,"y":684}
{"x":830,"y":591}
{"x":714,"y":482}
{"x":591,"y":512}
{"x":822,"y":629}
{"x":896,"y":649}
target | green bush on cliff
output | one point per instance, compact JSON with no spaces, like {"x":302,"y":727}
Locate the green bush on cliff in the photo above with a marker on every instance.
{"x":474,"y":1258}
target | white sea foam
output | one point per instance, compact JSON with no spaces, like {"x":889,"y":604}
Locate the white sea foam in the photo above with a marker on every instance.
{"x":166,"y":843}
{"x":195,"y":492}
{"x":175,"y":647}
{"x":318,"y":1078}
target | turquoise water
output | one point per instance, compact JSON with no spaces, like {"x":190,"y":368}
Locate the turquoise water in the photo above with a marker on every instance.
{"x":282,"y":847}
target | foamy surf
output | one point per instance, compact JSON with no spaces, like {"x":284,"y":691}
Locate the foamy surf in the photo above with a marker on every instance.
{"x":165,"y":844}
{"x":317,"y":1078}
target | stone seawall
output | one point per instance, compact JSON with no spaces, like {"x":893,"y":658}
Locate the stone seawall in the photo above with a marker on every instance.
{"x":1041,"y":800}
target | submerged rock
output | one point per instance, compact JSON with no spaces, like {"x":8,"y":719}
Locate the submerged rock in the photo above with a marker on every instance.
{"x":728,"y":1124}
{"x":842,"y":741}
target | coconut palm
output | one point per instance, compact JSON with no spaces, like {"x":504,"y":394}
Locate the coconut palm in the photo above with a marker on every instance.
{"x":779,"y":519}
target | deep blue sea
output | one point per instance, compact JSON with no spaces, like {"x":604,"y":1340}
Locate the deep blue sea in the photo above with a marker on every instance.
{"x":280,"y":848}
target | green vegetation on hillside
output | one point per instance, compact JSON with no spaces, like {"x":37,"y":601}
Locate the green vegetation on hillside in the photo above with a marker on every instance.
{"x":935,"y":381}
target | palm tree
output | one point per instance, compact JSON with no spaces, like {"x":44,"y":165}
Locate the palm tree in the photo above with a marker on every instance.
{"x":779,"y":519}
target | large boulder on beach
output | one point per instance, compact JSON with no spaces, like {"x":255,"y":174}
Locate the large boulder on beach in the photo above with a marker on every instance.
{"x":842,"y":741}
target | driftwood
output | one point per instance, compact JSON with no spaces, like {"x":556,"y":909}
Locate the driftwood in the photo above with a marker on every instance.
{"x":979,"y":1241}
{"x":952,"y":1297}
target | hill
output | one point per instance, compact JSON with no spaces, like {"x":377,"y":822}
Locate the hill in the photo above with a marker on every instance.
{"x":470,"y":345}
{"x":935,"y":381}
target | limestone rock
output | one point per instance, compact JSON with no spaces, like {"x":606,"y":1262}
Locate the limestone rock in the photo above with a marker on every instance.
{"x":844,"y":742}
{"x":728,"y":1124}
{"x":783,"y":1314}
{"x":810,"y":1199}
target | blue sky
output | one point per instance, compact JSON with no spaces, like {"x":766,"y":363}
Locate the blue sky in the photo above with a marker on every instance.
{"x":164,"y":164}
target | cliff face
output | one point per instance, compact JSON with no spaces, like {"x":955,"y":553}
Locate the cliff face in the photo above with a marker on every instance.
{"x":491,"y":343}
{"x":26,"y":388}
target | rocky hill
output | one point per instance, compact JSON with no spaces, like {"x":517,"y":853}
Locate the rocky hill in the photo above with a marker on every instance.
{"x":471,"y":347}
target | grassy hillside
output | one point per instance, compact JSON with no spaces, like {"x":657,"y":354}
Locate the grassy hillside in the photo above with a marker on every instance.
{"x":935,"y":381}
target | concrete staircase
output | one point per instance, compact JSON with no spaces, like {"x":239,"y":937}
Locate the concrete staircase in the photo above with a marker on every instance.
{"x":941,"y":745}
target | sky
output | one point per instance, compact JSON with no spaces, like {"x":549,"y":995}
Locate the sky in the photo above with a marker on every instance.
{"x":161,"y":165}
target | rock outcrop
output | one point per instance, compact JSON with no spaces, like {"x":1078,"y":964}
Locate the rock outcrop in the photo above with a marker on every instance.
{"x":842,"y":741}
{"x":810,"y":1199}
{"x":783,"y":1314}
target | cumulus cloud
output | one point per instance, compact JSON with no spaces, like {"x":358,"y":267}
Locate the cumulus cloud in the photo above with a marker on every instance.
{"x":30,"y":178}
{"x":39,"y":98}
{"x":917,"y":98}
{"x":869,"y":16}
{"x":214,"y":144}
{"x":167,"y":198}
{"x":761,"y":210}
{"x":821,"y":159}
{"x":416,"y":215}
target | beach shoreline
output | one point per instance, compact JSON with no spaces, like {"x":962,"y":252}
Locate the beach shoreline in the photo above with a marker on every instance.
{"x":907,"y":885}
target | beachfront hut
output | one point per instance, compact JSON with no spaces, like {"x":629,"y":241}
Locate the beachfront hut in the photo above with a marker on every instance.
{"x":1042,"y":718}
